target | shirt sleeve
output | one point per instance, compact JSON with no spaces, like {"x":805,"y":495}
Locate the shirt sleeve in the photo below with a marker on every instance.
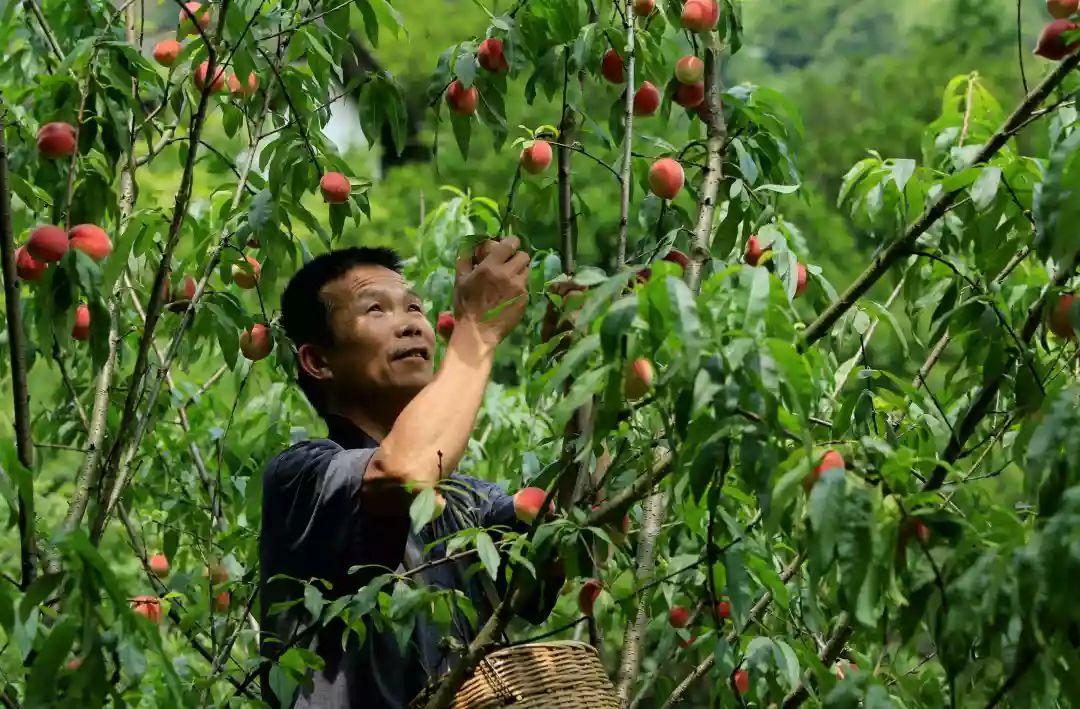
{"x":313,"y":526}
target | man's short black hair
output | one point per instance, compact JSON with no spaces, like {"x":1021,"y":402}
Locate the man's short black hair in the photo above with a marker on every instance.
{"x":305,"y":316}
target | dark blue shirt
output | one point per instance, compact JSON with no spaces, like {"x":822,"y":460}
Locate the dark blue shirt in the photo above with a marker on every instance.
{"x":314,"y":526}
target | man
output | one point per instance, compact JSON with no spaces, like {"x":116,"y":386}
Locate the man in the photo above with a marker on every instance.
{"x":365,"y":354}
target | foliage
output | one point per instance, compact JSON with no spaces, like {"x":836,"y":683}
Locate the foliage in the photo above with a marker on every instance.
{"x":939,"y":561}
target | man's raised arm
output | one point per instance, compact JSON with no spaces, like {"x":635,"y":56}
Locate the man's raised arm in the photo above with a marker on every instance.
{"x":429,"y":436}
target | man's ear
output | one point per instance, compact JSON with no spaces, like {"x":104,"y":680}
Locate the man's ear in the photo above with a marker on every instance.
{"x":311,"y":360}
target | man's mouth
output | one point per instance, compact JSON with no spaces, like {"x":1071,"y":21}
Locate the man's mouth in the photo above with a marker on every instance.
{"x":418,"y":352}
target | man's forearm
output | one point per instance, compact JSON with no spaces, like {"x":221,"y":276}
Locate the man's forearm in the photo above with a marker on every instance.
{"x":430,"y":435}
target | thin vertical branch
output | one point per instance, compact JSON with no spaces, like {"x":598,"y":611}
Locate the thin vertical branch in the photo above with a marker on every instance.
{"x":24,"y":443}
{"x":628,"y":136}
{"x":716,"y":127}
{"x":566,"y":208}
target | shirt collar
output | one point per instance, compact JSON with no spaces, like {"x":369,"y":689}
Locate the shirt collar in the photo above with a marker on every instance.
{"x":347,"y":434}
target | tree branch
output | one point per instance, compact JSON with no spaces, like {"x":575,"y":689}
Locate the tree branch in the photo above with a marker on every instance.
{"x":628,"y":136}
{"x":900,"y":245}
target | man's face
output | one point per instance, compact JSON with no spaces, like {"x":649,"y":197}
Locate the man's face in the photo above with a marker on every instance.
{"x":383,"y":343}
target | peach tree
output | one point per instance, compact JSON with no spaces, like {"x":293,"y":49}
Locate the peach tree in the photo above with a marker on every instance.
{"x":748,"y":509}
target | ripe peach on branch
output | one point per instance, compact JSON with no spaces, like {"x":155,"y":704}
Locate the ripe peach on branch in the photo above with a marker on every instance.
{"x":56,"y":140}
{"x":461,"y":100}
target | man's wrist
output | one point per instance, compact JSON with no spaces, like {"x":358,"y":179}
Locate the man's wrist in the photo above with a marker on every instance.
{"x":472,"y":341}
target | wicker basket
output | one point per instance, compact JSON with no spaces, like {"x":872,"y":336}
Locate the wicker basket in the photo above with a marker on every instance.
{"x":564,"y":674}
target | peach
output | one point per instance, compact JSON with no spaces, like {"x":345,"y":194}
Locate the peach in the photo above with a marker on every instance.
{"x":148,"y":607}
{"x":1060,"y":9}
{"x":690,"y":70}
{"x":723,"y":609}
{"x":91,"y":240}
{"x":335,"y":187}
{"x":829,"y":461}
{"x":536,"y":157}
{"x":200,"y":77}
{"x":644,"y":8}
{"x":56,"y":140}
{"x":754,"y":250}
{"x":27,"y":267}
{"x":637,"y":379}
{"x":700,"y":15}
{"x":256,"y":343}
{"x":47,"y":243}
{"x":1052,"y":44}
{"x":248,"y":88}
{"x":159,"y":565}
{"x":489,"y":55}
{"x":586,"y":599}
{"x":445,"y":325}
{"x":679,"y":617}
{"x":800,"y":279}
{"x":166,"y":51}
{"x":217,"y":573}
{"x":666,"y":178}
{"x":646,"y":99}
{"x":185,"y":291}
{"x":676,"y":256}
{"x":246,"y":275}
{"x":690,"y":95}
{"x":1060,"y":323}
{"x":611,"y":66}
{"x":742,"y":681}
{"x":221,"y":602}
{"x":202,"y":16}
{"x":81,"y":329}
{"x":461,"y":100}
{"x":527,"y":503}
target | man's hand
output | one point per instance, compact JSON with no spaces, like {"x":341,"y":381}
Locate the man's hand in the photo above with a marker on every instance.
{"x":491,"y":294}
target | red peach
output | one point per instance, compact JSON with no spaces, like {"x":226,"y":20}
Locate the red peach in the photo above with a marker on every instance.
{"x":527,"y":503}
{"x":611,"y":67}
{"x":91,"y":240}
{"x":666,"y":178}
{"x":202,"y":15}
{"x":221,"y":602}
{"x":723,"y":609}
{"x":700,"y":15}
{"x":445,"y":325}
{"x":148,"y":607}
{"x":461,"y":100}
{"x":27,"y":267}
{"x":637,"y":380}
{"x":644,"y":8}
{"x":754,"y":250}
{"x":676,"y":256}
{"x":159,"y":565}
{"x":335,"y":187}
{"x":201,"y":72}
{"x":800,"y":279}
{"x":186,"y":291}
{"x":690,"y":70}
{"x":81,"y":329}
{"x":830,"y":460}
{"x":1060,"y":9}
{"x":247,"y":276}
{"x":742,"y":681}
{"x":56,"y":140}
{"x":690,"y":95}
{"x":687,"y":642}
{"x":1060,"y":324}
{"x":1052,"y":44}
{"x":236,"y":88}
{"x":646,"y":99}
{"x":679,"y":617}
{"x":536,"y":157}
{"x":490,"y":56}
{"x":166,"y":51}
{"x":47,"y":243}
{"x":587,"y":596}
{"x":256,"y":343}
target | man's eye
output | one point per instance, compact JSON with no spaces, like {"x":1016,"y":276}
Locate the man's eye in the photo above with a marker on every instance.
{"x":416,"y":307}
{"x":374,"y":308}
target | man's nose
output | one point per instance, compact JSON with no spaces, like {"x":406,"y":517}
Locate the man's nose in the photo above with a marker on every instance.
{"x":409,"y":328}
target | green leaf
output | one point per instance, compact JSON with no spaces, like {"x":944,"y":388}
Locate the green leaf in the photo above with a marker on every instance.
{"x":422,"y":509}
{"x":826,"y":502}
{"x":489,"y":555}
{"x":986,"y":187}
{"x":41,"y":686}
